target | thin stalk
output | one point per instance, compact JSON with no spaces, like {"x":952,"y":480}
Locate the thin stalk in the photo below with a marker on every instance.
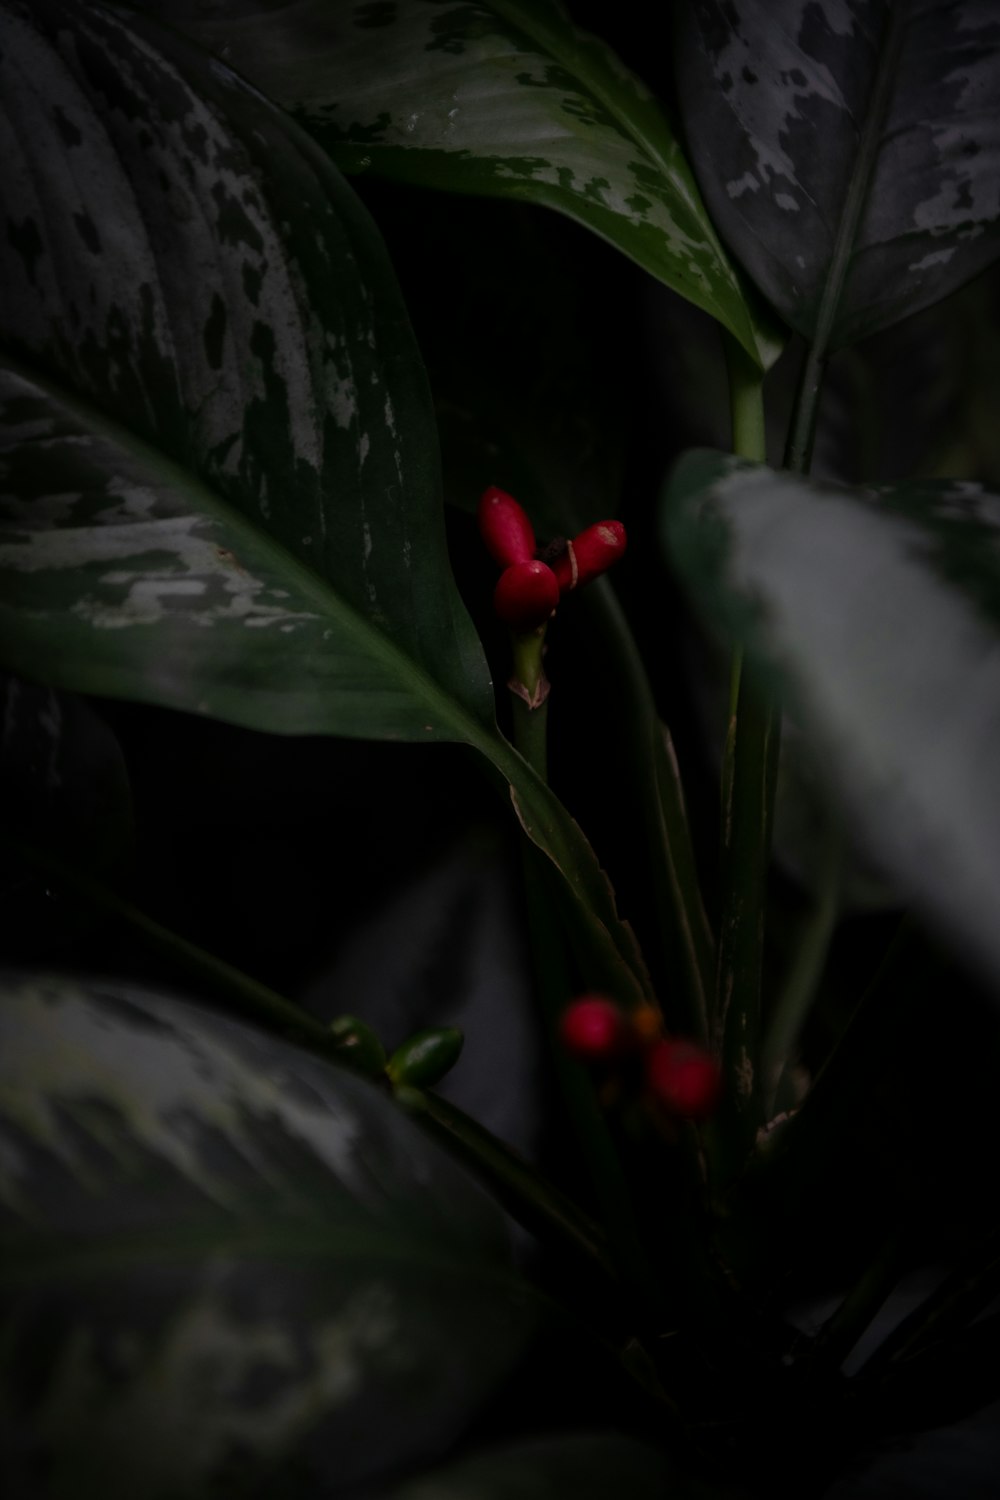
{"x":747,"y":777}
{"x":515,"y":1181}
{"x":806,"y":969}
{"x":654,"y":779}
{"x":554,"y":990}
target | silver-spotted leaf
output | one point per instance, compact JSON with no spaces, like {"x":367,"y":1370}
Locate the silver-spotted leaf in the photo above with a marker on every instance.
{"x":849,"y":152}
{"x":498,"y":97}
{"x":878,"y":613}
{"x":219,"y":484}
{"x":226,"y":1266}
{"x":220,"y":466}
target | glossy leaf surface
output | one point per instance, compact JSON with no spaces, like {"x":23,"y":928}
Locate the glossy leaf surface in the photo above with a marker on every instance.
{"x":504,"y":98}
{"x":849,"y":153}
{"x":225,"y":1264}
{"x":223,"y":484}
{"x":878,"y":612}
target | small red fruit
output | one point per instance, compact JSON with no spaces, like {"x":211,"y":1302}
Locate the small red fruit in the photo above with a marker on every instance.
{"x":593,"y":1028}
{"x":589,"y":554}
{"x":526,"y":595}
{"x":505,"y":528}
{"x":684,"y":1078}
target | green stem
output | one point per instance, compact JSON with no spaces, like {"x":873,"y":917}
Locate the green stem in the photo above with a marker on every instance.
{"x":688,"y":956}
{"x":555,"y":987}
{"x":529,"y":691}
{"x":747,"y":780}
{"x":806,"y":969}
{"x":515,"y":1182}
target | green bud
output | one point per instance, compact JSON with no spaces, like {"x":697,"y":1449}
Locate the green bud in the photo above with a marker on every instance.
{"x":358,"y":1046}
{"x":425,"y":1057}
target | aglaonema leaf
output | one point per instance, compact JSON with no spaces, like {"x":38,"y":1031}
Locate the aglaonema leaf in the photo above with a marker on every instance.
{"x":501,"y":97}
{"x":847,"y":152}
{"x":220,"y":487}
{"x":183,"y":261}
{"x":227,"y":1266}
{"x":878,"y":613}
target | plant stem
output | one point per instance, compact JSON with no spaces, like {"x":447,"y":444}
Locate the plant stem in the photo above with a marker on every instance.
{"x":806,"y":969}
{"x":688,"y":957}
{"x":514,"y":1181}
{"x":747,"y":784}
{"x":554,"y":989}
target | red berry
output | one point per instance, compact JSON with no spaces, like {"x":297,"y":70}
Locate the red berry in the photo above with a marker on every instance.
{"x":593,"y":1028}
{"x":526,"y":595}
{"x":505,"y":528}
{"x":589,"y":554}
{"x":684,"y":1078}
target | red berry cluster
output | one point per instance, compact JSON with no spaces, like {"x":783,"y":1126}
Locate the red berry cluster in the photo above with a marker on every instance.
{"x":529,"y":588}
{"x":679,"y":1075}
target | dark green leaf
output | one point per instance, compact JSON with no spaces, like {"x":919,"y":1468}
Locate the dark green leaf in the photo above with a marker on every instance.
{"x":252,"y":464}
{"x":878,"y":612}
{"x":225,"y":1264}
{"x":501,"y":97}
{"x":848,"y":152}
{"x":588,"y":1466}
{"x":240,"y":514}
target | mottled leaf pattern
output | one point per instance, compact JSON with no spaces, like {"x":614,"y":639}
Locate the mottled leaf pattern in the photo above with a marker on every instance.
{"x":849,"y":152}
{"x":219,"y":482}
{"x":878,"y":612}
{"x":185,"y":260}
{"x":226,"y":1265}
{"x":498,"y":97}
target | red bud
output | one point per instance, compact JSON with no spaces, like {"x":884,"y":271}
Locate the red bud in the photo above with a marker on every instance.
{"x":684,"y":1078}
{"x":593,"y":1028}
{"x":505,"y":528}
{"x":589,"y":554}
{"x":526,"y":595}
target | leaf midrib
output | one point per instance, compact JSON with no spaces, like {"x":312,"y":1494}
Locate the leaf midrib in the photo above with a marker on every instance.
{"x":411,"y":675}
{"x":860,"y":180}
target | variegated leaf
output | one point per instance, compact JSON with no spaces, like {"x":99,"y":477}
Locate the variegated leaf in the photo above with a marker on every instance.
{"x":226,"y":1265}
{"x":223,"y":492}
{"x":498,"y":97}
{"x":849,"y":152}
{"x":878,"y":612}
{"x":219,"y":484}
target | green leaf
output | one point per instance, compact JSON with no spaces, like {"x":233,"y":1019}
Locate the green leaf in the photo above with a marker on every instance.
{"x":224,"y":480}
{"x":504,"y":98}
{"x":847,"y":153}
{"x":220,"y":485}
{"x":226,"y":1265}
{"x":587,"y":1466}
{"x":878,"y":613}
